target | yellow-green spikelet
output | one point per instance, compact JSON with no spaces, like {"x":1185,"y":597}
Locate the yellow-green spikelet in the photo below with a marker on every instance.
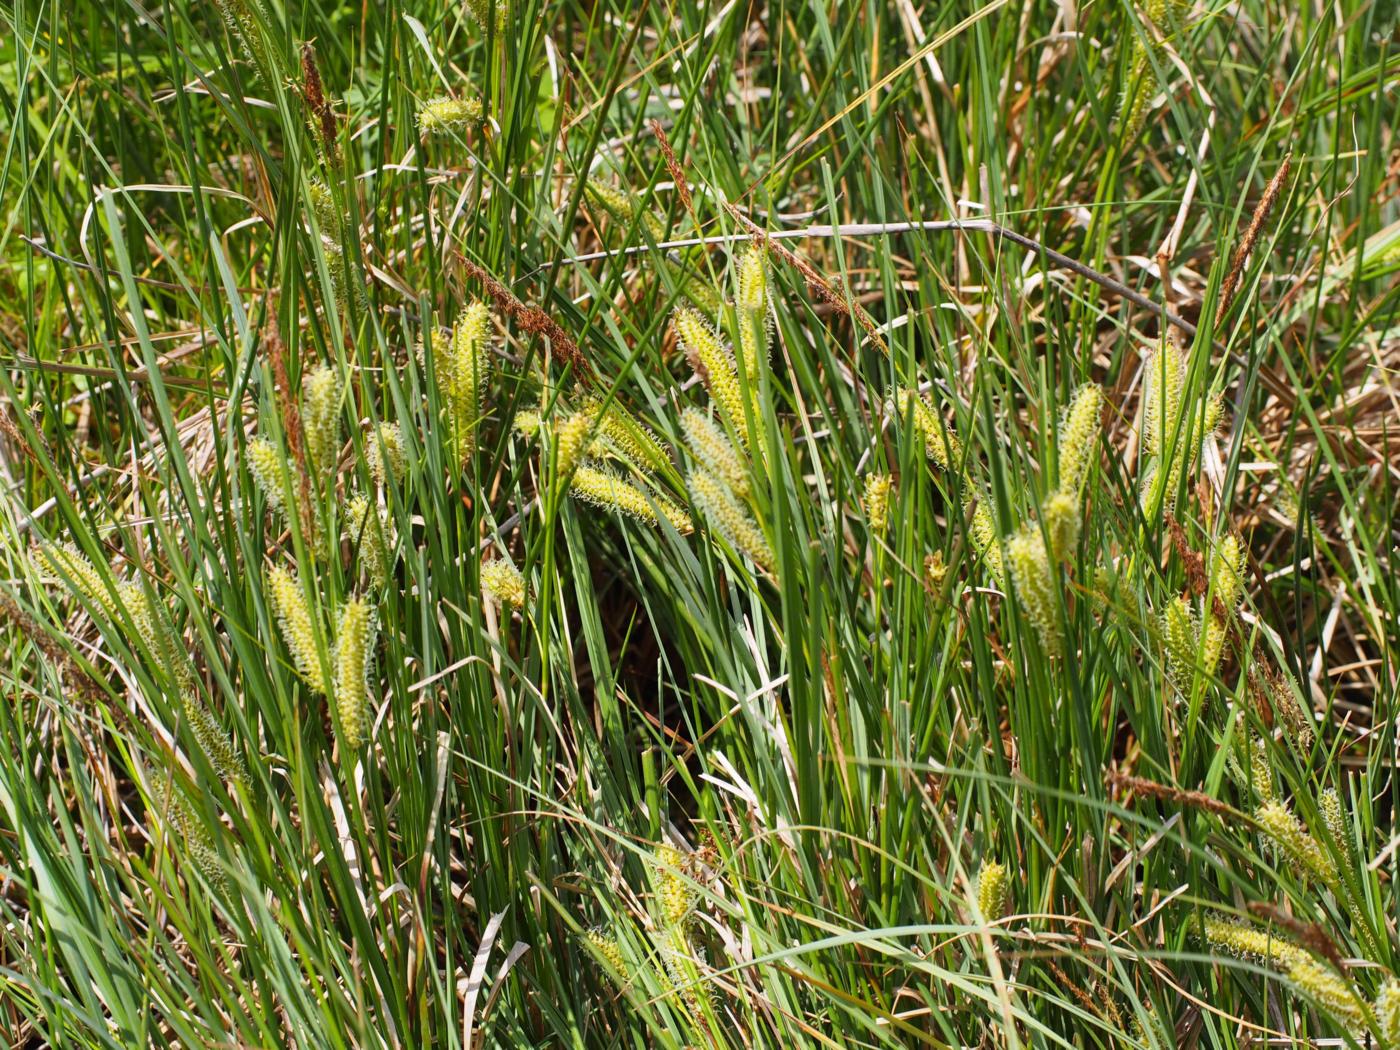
{"x":613,"y":493}
{"x":265,"y":464}
{"x":1033,"y":575}
{"x":714,"y":450}
{"x":878,"y":489}
{"x":1179,"y":642}
{"x":1077,"y":441}
{"x":1334,"y":994}
{"x":753,"y":311}
{"x":212,"y":739}
{"x":986,"y":540}
{"x":385,"y":452}
{"x":504,"y":582}
{"x":1062,"y":519}
{"x":637,"y":444}
{"x":1293,"y":841}
{"x":714,"y":363}
{"x":293,"y":614}
{"x":353,"y":647}
{"x":369,"y":528}
{"x":992,"y":891}
{"x":940,"y":443}
{"x":320,"y":416}
{"x":445,"y":114}
{"x":609,"y":950}
{"x":675,"y":896}
{"x":728,"y":518}
{"x":469,"y":352}
{"x":1246,"y":942}
{"x":64,"y":563}
{"x":1387,"y":1011}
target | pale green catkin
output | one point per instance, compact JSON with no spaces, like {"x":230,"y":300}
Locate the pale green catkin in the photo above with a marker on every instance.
{"x":728,"y":518}
{"x":469,"y":367}
{"x":444,"y":115}
{"x":1387,"y":1011}
{"x":940,"y":443}
{"x":715,"y":365}
{"x":1033,"y":576}
{"x":878,"y":488}
{"x":985,"y":539}
{"x":1253,"y":945}
{"x":675,"y":894}
{"x":265,"y":464}
{"x":487,"y":12}
{"x":1329,"y":802}
{"x":1179,"y":643}
{"x":754,"y":316}
{"x":613,"y":493}
{"x":1139,"y":88}
{"x":992,"y":891}
{"x":212,"y":740}
{"x":353,"y":647}
{"x":574,"y":438}
{"x":1329,"y":991}
{"x":687,"y":982}
{"x":1063,"y":520}
{"x":241,"y":17}
{"x":63,"y":563}
{"x":320,"y":417}
{"x":608,"y":950}
{"x":623,"y":207}
{"x":384,"y":451}
{"x":1261,"y":771}
{"x":503,"y":581}
{"x":1293,"y":842}
{"x":709,"y":444}
{"x":1226,"y":574}
{"x":1077,"y":441}
{"x":1164,"y":383}
{"x":293,"y":614}
{"x":368,"y":526}
{"x":634,"y":442}
{"x":189,"y":832}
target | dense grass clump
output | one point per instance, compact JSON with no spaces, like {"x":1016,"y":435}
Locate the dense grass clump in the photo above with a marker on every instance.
{"x":630,"y":525}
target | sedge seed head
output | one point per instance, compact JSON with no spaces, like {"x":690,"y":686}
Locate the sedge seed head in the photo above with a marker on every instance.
{"x":714,"y":364}
{"x":1179,"y":642}
{"x":1387,"y":1011}
{"x":370,"y":527}
{"x":613,"y":493}
{"x":992,"y":891}
{"x":320,"y":416}
{"x":608,"y":950}
{"x":265,"y":464}
{"x":293,"y":614}
{"x":754,"y":316}
{"x":709,"y":444}
{"x":1063,"y":520}
{"x":1226,"y":574}
{"x":878,"y":488}
{"x":385,"y":453}
{"x":1325,"y":987}
{"x":728,"y":518}
{"x":1033,"y":576}
{"x":354,"y":644}
{"x":1292,"y":840}
{"x":501,"y":580}
{"x":1079,"y":437}
{"x":444,"y":115}
{"x":675,"y":895}
{"x":1253,"y":945}
{"x":940,"y":443}
{"x":985,"y":539}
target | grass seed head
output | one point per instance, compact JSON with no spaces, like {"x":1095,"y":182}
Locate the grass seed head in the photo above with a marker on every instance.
{"x":293,"y":614}
{"x":1078,"y":439}
{"x":354,"y":644}
{"x":1033,"y":576}
{"x":320,"y":415}
{"x":728,"y":518}
{"x":610,"y":492}
{"x":993,"y":891}
{"x":503,"y":581}
{"x":444,"y":115}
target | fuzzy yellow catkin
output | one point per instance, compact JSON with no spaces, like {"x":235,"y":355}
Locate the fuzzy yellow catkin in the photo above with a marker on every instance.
{"x":445,"y":114}
{"x":63,"y":563}
{"x":1329,"y":802}
{"x":728,"y":518}
{"x":241,"y":18}
{"x":265,"y":462}
{"x":527,"y":422}
{"x":675,"y":895}
{"x":878,"y":488}
{"x":213,"y":741}
{"x":1033,"y":576}
{"x":754,"y":316}
{"x":623,"y":207}
{"x":709,"y":444}
{"x":940,"y":443}
{"x":503,"y":581}
{"x":1335,"y":995}
{"x":1226,"y":575}
{"x":354,"y":642}
{"x":992,"y":891}
{"x":188,"y":831}
{"x":369,"y":528}
{"x":1261,"y":771}
{"x":385,"y":452}
{"x":1283,"y":693}
{"x":687,"y":982}
{"x":1139,"y":88}
{"x":574,"y":437}
{"x":1253,"y":945}
{"x":320,"y":417}
{"x":1062,"y":518}
{"x":293,"y":614}
{"x":1164,"y":383}
{"x":1077,"y":441}
{"x":1292,"y":841}
{"x":935,"y":570}
{"x":468,"y":367}
{"x":1387,"y":1011}
{"x":1179,"y":642}
{"x":985,"y":539}
{"x":608,"y":949}
{"x":715,"y":365}
{"x":613,"y":493}
{"x":637,"y":444}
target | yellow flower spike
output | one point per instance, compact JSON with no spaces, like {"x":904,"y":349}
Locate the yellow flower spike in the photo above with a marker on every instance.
{"x":1179,"y":642}
{"x":715,"y":451}
{"x":1261,"y":771}
{"x":327,"y":213}
{"x":935,"y":570}
{"x":1227,"y":572}
{"x":1334,"y":819}
{"x":369,"y":526}
{"x":573,"y":439}
{"x":612,"y":493}
{"x":265,"y":463}
{"x":503,"y":581}
{"x":444,"y":115}
{"x":212,"y":739}
{"x":754,"y":317}
{"x":878,"y":488}
{"x":1293,"y":841}
{"x":1139,"y":88}
{"x":385,"y":452}
{"x":293,"y":614}
{"x":992,"y":891}
{"x":985,"y":539}
{"x":468,"y":370}
{"x":728,"y":518}
{"x":1387,"y":1011}
{"x":675,"y":896}
{"x":353,"y":648}
{"x":940,"y":443}
{"x":320,"y":416}
{"x":608,"y":949}
{"x":1253,"y":945}
{"x":64,"y":563}
{"x":1062,"y":519}
{"x":527,"y":422}
{"x":1078,"y":439}
{"x":715,"y":365}
{"x":637,"y":444}
{"x":1033,"y":575}
{"x":1329,"y":990}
